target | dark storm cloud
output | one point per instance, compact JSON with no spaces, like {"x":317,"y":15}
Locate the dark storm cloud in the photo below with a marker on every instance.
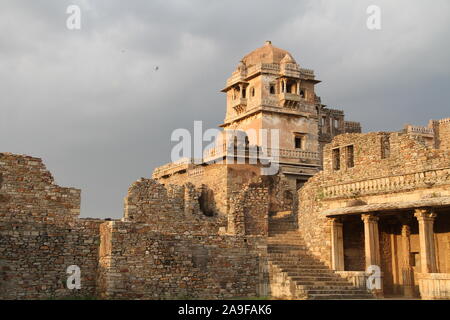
{"x":92,"y":105}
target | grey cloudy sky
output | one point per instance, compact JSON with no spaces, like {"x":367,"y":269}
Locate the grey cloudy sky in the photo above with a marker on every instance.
{"x":90,"y":103}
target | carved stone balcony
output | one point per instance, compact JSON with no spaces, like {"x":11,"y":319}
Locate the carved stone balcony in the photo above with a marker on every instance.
{"x":290,"y":100}
{"x":240,"y":105}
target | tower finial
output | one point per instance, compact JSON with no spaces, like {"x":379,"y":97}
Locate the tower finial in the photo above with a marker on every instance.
{"x":268,"y":42}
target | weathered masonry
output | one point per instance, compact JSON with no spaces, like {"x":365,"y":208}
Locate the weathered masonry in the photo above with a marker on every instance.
{"x":162,"y":248}
{"x":383,"y":199}
{"x":341,"y":203}
{"x":267,"y":91}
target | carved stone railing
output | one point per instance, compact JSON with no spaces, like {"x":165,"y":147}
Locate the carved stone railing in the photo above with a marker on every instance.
{"x":446,"y":120}
{"x":292,"y":153}
{"x":388,"y":184}
{"x":269,"y":102}
{"x":218,"y":153}
{"x":307,"y":71}
{"x":172,"y":167}
{"x":434,"y":286}
{"x":270,"y":66}
{"x":419,"y":130}
{"x":289,"y":96}
{"x":228,"y":151}
{"x":195,"y":172}
{"x":236,"y":77}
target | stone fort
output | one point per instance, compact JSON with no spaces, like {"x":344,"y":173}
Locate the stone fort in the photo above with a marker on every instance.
{"x":347,"y":215}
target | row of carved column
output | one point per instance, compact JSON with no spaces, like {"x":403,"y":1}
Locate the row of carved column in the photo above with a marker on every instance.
{"x":284,"y":86}
{"x":425,"y":218}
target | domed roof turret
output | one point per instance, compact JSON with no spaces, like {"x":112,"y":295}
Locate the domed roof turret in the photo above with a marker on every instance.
{"x":267,"y":54}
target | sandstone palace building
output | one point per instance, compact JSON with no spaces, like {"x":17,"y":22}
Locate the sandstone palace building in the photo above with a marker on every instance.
{"x":346,"y":215}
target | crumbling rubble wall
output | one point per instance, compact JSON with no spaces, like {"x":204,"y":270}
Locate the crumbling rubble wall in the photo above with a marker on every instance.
{"x":40,"y":234}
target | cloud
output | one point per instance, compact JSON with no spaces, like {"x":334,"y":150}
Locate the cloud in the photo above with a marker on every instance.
{"x":92,"y":105}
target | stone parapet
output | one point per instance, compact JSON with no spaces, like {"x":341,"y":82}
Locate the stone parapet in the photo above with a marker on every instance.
{"x":434,"y":286}
{"x":389,"y":184}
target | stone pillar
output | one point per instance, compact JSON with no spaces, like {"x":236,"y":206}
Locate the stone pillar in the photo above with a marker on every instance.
{"x":426,"y":236}
{"x":371,"y":239}
{"x":407,"y":270}
{"x":372,"y":253}
{"x":337,"y":244}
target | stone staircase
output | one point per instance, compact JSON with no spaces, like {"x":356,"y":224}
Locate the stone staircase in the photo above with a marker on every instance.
{"x":296,"y":274}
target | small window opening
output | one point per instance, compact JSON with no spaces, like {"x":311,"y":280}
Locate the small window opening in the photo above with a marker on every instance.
{"x":206,"y":200}
{"x":302,"y":94}
{"x":336,"y":159}
{"x":385,"y":147}
{"x":272,"y":89}
{"x":299,"y":183}
{"x":350,"y":157}
{"x":253,"y":92}
{"x":299,"y":142}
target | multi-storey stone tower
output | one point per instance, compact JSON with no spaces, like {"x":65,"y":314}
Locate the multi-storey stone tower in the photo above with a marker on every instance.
{"x":268,"y":90}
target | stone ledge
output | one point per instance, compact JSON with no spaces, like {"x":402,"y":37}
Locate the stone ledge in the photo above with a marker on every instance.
{"x":423,"y":203}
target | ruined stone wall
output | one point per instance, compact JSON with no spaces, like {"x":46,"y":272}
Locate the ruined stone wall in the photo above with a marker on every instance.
{"x":213,"y":177}
{"x":40,"y":235}
{"x":161,"y":250}
{"x":136,"y":262}
{"x":249,"y":210}
{"x":28,"y":192}
{"x":443,"y":133}
{"x":164,"y":208}
{"x":34,"y":258}
{"x":165,"y":247}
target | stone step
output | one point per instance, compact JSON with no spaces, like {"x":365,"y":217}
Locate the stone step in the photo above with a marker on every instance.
{"x":285,"y":250}
{"x":304,"y":268}
{"x":277,"y":223}
{"x":287,"y":228}
{"x":325,"y":284}
{"x":336,"y":292}
{"x":284,"y":229}
{"x":325,"y":279}
{"x":286,"y":247}
{"x":282,"y":257}
{"x":288,"y":252}
{"x":350,"y":296}
{"x":292,"y":261}
{"x":286,"y":241}
{"x":329,"y":289}
{"x":281,"y":235}
{"x":301,"y":266}
{"x":285,"y":238}
{"x":307,"y":273}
